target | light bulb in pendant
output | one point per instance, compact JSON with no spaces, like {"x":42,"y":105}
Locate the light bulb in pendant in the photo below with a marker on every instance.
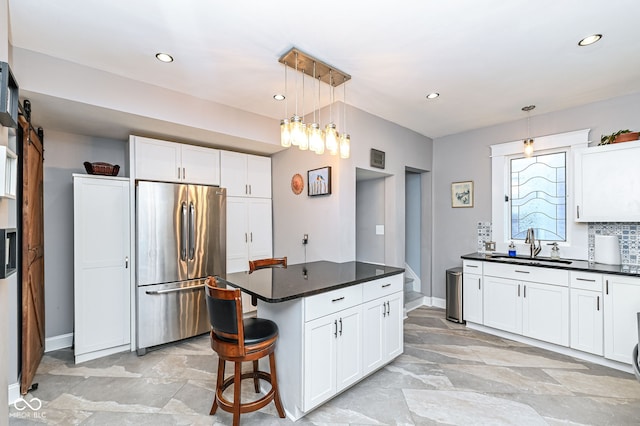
{"x":331,"y":138}
{"x":285,"y":133}
{"x":345,"y":145}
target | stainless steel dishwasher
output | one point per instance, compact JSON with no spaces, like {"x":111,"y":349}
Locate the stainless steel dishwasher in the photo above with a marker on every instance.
{"x":454,"y":295}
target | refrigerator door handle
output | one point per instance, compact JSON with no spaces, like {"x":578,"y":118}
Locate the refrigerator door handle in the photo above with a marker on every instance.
{"x":192,"y":231}
{"x":184,"y":232}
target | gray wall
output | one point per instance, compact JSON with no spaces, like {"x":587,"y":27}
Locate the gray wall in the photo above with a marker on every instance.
{"x":330,"y":221}
{"x":465,"y":156}
{"x":413,"y":214}
{"x":64,"y":155}
{"x":370,"y":202}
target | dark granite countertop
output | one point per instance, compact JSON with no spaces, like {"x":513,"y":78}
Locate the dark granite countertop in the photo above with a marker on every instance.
{"x":545,"y":262}
{"x":305,"y":279}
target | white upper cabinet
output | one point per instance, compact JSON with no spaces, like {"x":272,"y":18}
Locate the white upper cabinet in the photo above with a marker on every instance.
{"x":173,"y":162}
{"x":245,"y":175}
{"x":606,"y":183}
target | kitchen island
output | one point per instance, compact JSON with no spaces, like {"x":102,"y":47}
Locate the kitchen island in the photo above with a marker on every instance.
{"x":338,"y":323}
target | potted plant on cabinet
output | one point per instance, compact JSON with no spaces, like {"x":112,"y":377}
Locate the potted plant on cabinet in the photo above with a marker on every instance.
{"x":619,"y":136}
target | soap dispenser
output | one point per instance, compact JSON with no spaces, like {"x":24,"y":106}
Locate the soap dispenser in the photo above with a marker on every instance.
{"x":512,"y":250}
{"x":555,"y":251}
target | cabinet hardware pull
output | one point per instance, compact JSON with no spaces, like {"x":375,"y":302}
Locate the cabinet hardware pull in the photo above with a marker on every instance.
{"x":246,"y":189}
{"x":249,"y":189}
{"x":178,"y":172}
{"x":251,"y":233}
{"x":478,"y":283}
{"x":525,"y":291}
{"x":175,"y":290}
{"x":585,"y":279}
{"x":598,"y":303}
{"x":388,"y":308}
{"x":338,"y":299}
{"x":184,"y":174}
{"x":246,"y":239}
{"x":578,"y":211}
{"x":472,"y":266}
{"x":522,"y":272}
{"x":384,"y":310}
{"x":518,"y":290}
{"x":335,"y":330}
{"x":126,"y":262}
{"x":607,"y":292}
{"x":341,"y":326}
{"x":386,"y":285}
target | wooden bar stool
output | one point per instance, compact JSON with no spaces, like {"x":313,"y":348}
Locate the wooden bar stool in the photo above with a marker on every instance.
{"x":267,"y":263}
{"x":237,"y":340}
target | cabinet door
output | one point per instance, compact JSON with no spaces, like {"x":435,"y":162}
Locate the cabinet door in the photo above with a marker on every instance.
{"x":200,"y":165}
{"x":349,"y":348}
{"x":394,"y":335}
{"x":545,"y":312}
{"x":586,"y":321}
{"x":502,"y":304}
{"x":102,"y":289}
{"x":237,"y":235}
{"x":157,"y":160}
{"x":472,"y":298}
{"x":373,"y":317}
{"x":621,"y":305}
{"x":320,"y":338}
{"x":233,"y":173}
{"x":260,"y":228}
{"x":606,"y":187}
{"x":259,"y":176}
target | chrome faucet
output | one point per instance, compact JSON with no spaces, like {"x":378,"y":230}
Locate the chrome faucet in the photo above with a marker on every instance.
{"x":531,"y":240}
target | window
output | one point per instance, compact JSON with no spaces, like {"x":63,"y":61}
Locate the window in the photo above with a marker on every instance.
{"x":537,"y":193}
{"x":538,"y":196}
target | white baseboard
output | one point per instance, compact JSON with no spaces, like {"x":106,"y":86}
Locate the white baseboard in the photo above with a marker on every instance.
{"x":437,"y":302}
{"x":58,"y":342}
{"x":14,"y":392}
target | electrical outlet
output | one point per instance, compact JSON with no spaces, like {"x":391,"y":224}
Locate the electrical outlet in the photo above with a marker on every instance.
{"x":305,"y":238}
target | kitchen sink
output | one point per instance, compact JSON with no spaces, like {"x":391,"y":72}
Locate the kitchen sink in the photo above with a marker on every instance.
{"x":529,"y":260}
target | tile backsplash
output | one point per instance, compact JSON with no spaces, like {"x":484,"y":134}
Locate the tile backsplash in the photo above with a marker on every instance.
{"x":628,"y":236}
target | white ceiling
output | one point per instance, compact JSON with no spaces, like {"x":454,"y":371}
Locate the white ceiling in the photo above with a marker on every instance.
{"x":487,"y":58}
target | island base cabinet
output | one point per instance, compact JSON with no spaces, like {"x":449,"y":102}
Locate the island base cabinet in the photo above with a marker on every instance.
{"x":382,"y":338}
{"x":621,"y":307}
{"x":332,"y":355}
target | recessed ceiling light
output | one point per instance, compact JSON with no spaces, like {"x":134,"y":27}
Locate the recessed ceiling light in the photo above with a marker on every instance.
{"x":589,"y":40}
{"x":164,"y":57}
{"x":433,"y":95}
{"x":278,"y":97}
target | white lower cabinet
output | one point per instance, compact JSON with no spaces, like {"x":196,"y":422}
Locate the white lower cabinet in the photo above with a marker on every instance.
{"x":382,"y":338}
{"x":587,"y":317}
{"x":621,"y":307}
{"x":332,"y":354}
{"x":102,"y":290}
{"x":472,"y":291}
{"x":532,"y":309}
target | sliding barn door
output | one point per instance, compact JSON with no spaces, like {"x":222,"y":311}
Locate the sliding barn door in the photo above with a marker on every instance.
{"x":32,"y":269}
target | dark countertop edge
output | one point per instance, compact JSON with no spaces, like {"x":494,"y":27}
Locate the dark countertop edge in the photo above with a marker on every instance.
{"x":317,"y":291}
{"x":576,"y":265}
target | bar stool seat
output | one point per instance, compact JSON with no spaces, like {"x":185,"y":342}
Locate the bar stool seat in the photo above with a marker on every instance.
{"x":237,"y":340}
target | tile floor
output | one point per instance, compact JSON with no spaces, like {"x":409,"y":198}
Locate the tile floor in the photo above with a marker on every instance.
{"x":447,"y":375}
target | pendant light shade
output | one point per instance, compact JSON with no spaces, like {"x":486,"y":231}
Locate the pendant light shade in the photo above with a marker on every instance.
{"x":528,"y":142}
{"x":345,"y":146}
{"x":285,"y":133}
{"x":331,"y":138}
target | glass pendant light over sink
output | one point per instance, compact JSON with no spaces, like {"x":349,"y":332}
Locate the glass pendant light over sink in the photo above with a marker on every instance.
{"x":294,"y":131}
{"x":528,"y":142}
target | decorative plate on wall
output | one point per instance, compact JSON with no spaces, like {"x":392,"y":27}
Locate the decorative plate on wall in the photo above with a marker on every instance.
{"x":297,"y":184}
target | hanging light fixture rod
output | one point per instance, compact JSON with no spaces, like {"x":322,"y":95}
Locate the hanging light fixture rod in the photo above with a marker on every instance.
{"x":305,"y":63}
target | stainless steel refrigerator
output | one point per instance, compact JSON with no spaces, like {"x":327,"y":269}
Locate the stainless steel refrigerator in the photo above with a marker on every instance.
{"x":180,"y":240}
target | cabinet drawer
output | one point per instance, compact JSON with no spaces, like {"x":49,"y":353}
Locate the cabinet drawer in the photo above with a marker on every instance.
{"x":527,"y":273}
{"x":585,"y":280}
{"x":472,"y":267}
{"x":332,"y":301}
{"x":381,"y":287}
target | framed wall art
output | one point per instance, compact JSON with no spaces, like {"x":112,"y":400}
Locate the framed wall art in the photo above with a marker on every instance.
{"x":462,"y":194}
{"x":319,"y":181}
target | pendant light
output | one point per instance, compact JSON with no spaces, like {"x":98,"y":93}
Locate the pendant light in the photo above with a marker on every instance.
{"x":528,"y":142}
{"x":316,"y":144}
{"x":330,"y":131}
{"x":345,"y":139}
{"x":285,"y":126}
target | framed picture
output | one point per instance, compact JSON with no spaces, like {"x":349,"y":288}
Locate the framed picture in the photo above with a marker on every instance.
{"x":462,"y":194}
{"x":319,"y":181}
